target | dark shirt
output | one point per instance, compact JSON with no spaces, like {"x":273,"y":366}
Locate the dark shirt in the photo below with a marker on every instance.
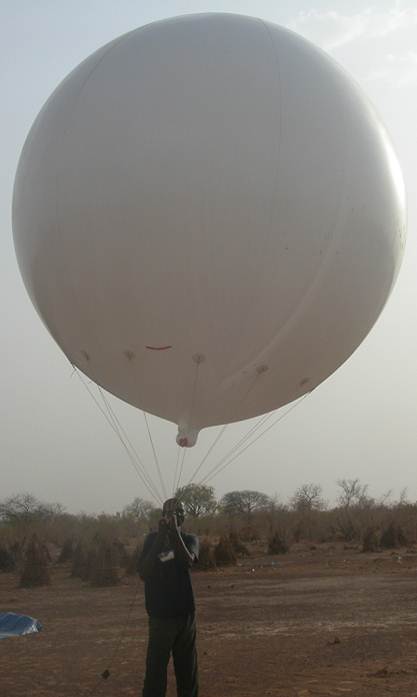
{"x":168,"y":590}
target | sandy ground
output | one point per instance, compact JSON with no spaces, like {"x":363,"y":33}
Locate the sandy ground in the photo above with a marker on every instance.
{"x":316,"y":622}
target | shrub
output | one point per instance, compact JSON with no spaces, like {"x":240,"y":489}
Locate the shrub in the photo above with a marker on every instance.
{"x":131,"y":566}
{"x":66,"y":551}
{"x":206,"y":557}
{"x":103,"y":566}
{"x":370,"y":541}
{"x":35,"y":570}
{"x":277,"y":544}
{"x":393,"y":536}
{"x":79,"y":567}
{"x":346,"y":526}
{"x":120,"y":553}
{"x":7,"y":559}
{"x":249,"y":533}
{"x":237,"y":545}
{"x":224,"y":553}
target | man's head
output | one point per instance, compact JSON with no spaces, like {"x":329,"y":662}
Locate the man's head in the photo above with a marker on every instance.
{"x":174,"y":507}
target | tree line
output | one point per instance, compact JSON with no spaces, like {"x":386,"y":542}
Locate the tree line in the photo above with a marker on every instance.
{"x":306,"y":515}
{"x":36,"y":537}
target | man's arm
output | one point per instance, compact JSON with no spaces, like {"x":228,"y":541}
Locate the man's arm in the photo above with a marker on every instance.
{"x":149,"y":556}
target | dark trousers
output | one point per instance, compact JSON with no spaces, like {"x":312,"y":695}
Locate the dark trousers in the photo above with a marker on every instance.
{"x":176,"y":635}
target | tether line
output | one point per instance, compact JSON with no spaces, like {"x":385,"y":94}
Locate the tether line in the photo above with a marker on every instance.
{"x":184,"y":453}
{"x":119,"y":426}
{"x":248,"y":445}
{"x":213,"y":445}
{"x":242,"y":440}
{"x":111,"y":424}
{"x":241,"y":401}
{"x":155,"y":456}
{"x":176,"y":469}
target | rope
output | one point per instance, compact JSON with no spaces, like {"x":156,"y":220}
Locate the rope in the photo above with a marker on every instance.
{"x":276,"y":421}
{"x":239,"y":443}
{"x":155,"y":456}
{"x":184,"y":453}
{"x":155,"y":495}
{"x":213,"y":445}
{"x":118,"y":425}
{"x":241,"y":401}
{"x":176,"y":469}
{"x":115,"y":424}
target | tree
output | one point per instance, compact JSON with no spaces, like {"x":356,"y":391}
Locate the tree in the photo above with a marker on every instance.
{"x":197,"y":499}
{"x":353,"y":492}
{"x":244,"y":502}
{"x":25,"y":508}
{"x":140,"y":509}
{"x":308,"y":497}
{"x":403,"y":500}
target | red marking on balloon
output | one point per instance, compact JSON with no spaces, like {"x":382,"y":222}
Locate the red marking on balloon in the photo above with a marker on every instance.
{"x":158,"y":348}
{"x":183,"y":442}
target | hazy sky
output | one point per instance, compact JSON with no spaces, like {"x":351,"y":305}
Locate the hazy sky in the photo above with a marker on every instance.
{"x":360,"y":423}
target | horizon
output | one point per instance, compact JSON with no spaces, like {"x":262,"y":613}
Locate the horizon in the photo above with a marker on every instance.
{"x":359,"y":423}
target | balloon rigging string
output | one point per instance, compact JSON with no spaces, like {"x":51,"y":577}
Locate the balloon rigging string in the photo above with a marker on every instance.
{"x":242,"y":440}
{"x":155,"y":455}
{"x":112,"y":420}
{"x":209,"y":477}
{"x":118,"y":425}
{"x":184,"y":453}
{"x":176,"y":469}
{"x":136,"y":465}
{"x":234,"y":455}
{"x":220,"y":434}
{"x":212,"y":446}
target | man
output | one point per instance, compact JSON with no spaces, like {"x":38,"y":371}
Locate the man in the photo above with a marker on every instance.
{"x":164,"y":565}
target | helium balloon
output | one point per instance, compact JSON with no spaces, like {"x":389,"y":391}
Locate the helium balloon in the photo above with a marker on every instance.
{"x":209,"y":218}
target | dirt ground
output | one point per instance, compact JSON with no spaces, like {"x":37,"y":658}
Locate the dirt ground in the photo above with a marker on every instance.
{"x":323,"y":621}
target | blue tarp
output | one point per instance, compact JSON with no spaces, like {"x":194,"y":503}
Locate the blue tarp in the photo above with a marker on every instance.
{"x":12,"y":624}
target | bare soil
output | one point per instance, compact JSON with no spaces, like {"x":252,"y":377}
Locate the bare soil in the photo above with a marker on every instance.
{"x":324,"y":621}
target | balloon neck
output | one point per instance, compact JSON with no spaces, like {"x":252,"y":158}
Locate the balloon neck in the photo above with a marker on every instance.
{"x":187,"y":437}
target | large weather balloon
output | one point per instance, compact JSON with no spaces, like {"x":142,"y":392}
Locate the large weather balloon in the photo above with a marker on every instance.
{"x":209,"y":218}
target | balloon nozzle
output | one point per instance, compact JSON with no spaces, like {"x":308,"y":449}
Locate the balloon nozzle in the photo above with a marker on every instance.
{"x":187,"y":437}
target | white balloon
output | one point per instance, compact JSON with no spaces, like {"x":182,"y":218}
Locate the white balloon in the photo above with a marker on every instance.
{"x":209,"y":218}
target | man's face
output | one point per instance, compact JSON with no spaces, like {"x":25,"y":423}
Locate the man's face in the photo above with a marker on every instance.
{"x":173,"y":506}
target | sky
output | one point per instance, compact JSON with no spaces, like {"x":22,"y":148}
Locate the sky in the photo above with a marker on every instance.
{"x":54,"y":442}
